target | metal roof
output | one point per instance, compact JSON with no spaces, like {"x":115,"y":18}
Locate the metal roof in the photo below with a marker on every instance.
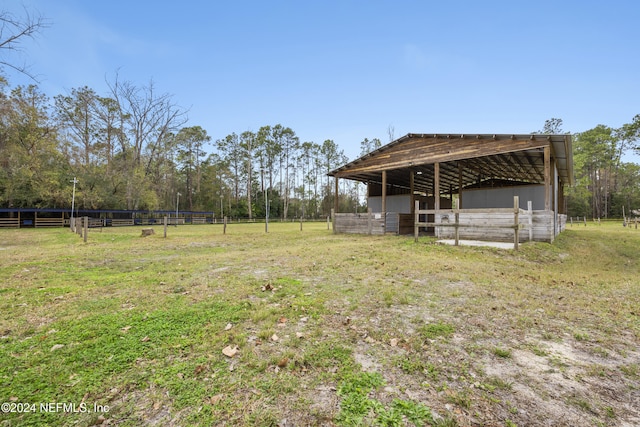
{"x":469,"y":159}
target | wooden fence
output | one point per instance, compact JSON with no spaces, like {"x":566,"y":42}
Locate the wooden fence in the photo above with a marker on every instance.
{"x":49,"y":222}
{"x":476,"y":224}
{"x":499,"y":224}
{"x":358,"y":223}
{"x":10,"y":222}
{"x":121,"y":222}
{"x":34,"y":221}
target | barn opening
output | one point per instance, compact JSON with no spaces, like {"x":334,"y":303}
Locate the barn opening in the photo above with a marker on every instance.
{"x":477,"y":175}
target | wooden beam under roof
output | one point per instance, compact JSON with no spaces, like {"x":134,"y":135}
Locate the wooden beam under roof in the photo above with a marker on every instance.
{"x":430,"y":150}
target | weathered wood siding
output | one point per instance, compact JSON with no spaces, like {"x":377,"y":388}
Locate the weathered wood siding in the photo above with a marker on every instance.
{"x":498,"y":226}
{"x":475,"y":224}
{"x":359,"y":223}
{"x":405,"y":223}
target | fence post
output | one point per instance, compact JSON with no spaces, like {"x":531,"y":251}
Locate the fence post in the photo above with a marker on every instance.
{"x":457,"y":227}
{"x":165,"y":226}
{"x":86,"y":228}
{"x":516,"y":222}
{"x":333,"y":219}
{"x":224,"y":228}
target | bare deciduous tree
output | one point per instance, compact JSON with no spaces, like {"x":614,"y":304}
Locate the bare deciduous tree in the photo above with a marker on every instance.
{"x":13,"y":31}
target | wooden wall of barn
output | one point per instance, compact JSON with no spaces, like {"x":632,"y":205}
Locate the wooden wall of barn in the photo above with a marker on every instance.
{"x":361,"y":223}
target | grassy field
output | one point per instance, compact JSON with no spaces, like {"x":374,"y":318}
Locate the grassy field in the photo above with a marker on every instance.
{"x":318,"y":329}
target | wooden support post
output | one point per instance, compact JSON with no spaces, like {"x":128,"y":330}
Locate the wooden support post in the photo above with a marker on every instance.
{"x":336,"y":204}
{"x":547,"y":178}
{"x":459,"y":185}
{"x":436,"y":186}
{"x":516,"y":222}
{"x":530,"y":214}
{"x":416,"y":219}
{"x":166,"y":222}
{"x":436,"y":196}
{"x":86,"y":228}
{"x":300,"y":222}
{"x":384,"y":200}
{"x":369,"y":226}
{"x":412,"y":189}
{"x":224,"y":227}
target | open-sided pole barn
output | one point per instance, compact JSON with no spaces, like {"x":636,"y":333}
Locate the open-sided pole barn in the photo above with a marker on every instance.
{"x":473,"y":177}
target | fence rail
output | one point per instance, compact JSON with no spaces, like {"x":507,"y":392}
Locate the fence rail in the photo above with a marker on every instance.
{"x":54,"y":217}
{"x":49,"y":222}
{"x":485,"y":224}
{"x":9,"y":222}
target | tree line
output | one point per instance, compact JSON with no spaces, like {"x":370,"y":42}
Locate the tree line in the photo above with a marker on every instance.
{"x":131,"y":150}
{"x":606,"y":185}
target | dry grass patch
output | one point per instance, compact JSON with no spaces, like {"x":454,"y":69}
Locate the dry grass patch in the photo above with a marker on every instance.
{"x":325,"y":329}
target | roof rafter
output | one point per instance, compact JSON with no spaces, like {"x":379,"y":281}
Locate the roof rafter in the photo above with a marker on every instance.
{"x":464,"y":160}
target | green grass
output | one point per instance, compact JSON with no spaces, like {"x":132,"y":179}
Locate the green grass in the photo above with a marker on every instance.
{"x":432,"y":331}
{"x":358,"y":408}
{"x":139,"y":325}
{"x":502,"y":352}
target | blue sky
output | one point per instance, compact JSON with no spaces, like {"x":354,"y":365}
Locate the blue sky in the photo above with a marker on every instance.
{"x":348,"y":70}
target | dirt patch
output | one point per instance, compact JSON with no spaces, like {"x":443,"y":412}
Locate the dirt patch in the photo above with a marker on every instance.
{"x":536,"y":382}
